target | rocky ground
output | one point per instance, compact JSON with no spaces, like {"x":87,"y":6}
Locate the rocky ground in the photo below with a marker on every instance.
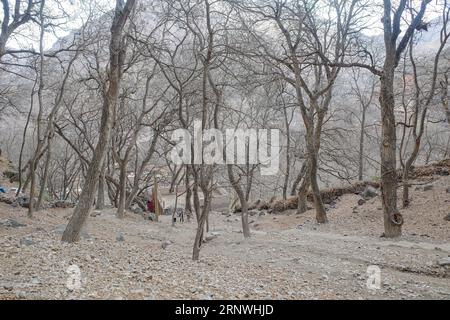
{"x":288,"y":257}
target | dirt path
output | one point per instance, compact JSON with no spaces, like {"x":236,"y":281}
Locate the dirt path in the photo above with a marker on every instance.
{"x":276,"y":264}
{"x":288,"y":257}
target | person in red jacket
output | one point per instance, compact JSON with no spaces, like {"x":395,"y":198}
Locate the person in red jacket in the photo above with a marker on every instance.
{"x":150,"y":205}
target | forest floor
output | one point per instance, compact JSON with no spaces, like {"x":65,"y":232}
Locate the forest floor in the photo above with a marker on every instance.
{"x":289,"y":256}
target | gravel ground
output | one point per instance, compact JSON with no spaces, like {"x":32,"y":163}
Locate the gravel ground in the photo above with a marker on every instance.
{"x":288,"y":256}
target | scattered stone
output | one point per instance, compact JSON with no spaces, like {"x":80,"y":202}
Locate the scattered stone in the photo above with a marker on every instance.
{"x":11,"y":223}
{"x":120,"y":238}
{"x":138,"y":210}
{"x":24,"y":201}
{"x":165,"y":244}
{"x":428,"y":188}
{"x":444,"y":262}
{"x":137,"y":291}
{"x":211,"y":236}
{"x":370,"y":193}
{"x":21,"y":295}
{"x":27,"y":242}
{"x":35,"y":281}
{"x":8,"y":287}
{"x":448,"y":190}
{"x":447,"y":218}
{"x":7,"y":200}
{"x":95,"y":214}
{"x":62,"y":204}
{"x":61,"y":228}
{"x":361,"y":202}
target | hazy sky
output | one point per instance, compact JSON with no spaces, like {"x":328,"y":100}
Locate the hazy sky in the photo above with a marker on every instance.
{"x":77,"y":11}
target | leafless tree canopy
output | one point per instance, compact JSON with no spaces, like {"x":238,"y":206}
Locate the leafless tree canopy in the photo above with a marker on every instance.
{"x":89,"y":101}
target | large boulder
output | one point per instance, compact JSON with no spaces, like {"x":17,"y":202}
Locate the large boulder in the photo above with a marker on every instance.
{"x":370,"y":193}
{"x":63,"y":204}
{"x":150,"y":216}
{"x":445,"y":262}
{"x":24,"y":201}
{"x":137,"y":210}
{"x":11,"y":223}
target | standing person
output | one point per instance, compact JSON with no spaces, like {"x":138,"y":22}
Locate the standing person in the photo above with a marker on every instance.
{"x":151,"y":205}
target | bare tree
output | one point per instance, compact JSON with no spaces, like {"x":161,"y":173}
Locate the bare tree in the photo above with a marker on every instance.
{"x":117,"y":57}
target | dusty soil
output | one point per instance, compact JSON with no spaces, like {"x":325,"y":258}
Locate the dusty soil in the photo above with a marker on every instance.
{"x":288,"y":257}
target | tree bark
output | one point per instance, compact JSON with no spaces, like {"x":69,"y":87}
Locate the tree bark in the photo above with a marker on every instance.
{"x":242,"y":199}
{"x":122,"y":190}
{"x":361,"y":145}
{"x":117,"y":56}
{"x":393,"y":220}
{"x":101,"y":190}
{"x":303,"y":192}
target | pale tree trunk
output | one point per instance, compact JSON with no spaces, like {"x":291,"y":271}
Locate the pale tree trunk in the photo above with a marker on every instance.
{"x":44,"y":180}
{"x":444,"y":97}
{"x":242,"y":199}
{"x":35,"y":158}
{"x":303,"y":191}
{"x":393,"y":220}
{"x":117,"y":56}
{"x":122,"y":190}
{"x":51,"y":130}
{"x":101,"y":190}
{"x":299,"y":179}
{"x":188,"y":203}
{"x":321,"y":215}
{"x":288,"y":154}
{"x":361,"y":145}
{"x":140,"y":172}
{"x":200,"y":228}
{"x":204,"y":178}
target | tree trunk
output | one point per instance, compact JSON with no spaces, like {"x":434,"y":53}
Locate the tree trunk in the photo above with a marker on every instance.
{"x":122,"y":190}
{"x":198,"y":240}
{"x":188,"y":203}
{"x":303,"y":192}
{"x":45,"y":177}
{"x":288,"y":155}
{"x":361,"y":146}
{"x":393,"y":220}
{"x":242,"y":199}
{"x":299,"y":178}
{"x":117,"y":56}
{"x":32,"y":189}
{"x":101,"y":190}
{"x":405,"y":183}
{"x":321,"y":214}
